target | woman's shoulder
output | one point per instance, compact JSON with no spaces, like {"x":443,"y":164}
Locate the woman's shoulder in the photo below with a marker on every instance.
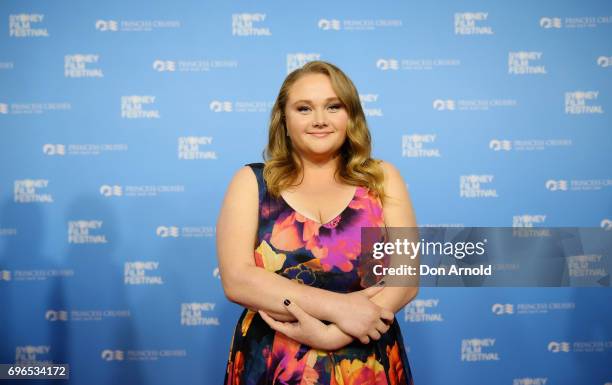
{"x":391,"y":173}
{"x":244,"y":180}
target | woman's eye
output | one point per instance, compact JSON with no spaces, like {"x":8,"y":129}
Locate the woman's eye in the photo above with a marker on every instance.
{"x":303,"y":108}
{"x":336,"y":106}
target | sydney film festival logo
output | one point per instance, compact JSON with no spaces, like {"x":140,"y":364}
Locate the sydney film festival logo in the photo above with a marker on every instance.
{"x":521,"y":63}
{"x":80,"y":66}
{"x":23,"y":25}
{"x":189,"y":148}
{"x":79,"y":232}
{"x":416,"y":146}
{"x":299,"y":59}
{"x":423,"y":310}
{"x":476,"y":186}
{"x":26,"y":191}
{"x":582,"y":102}
{"x":247,"y":24}
{"x":472,"y":23}
{"x":142,"y":273}
{"x":478,"y":349}
{"x":133,"y":107}
{"x":193,"y":314}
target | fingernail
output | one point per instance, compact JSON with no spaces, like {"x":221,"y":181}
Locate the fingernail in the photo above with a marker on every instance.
{"x":287,"y":302}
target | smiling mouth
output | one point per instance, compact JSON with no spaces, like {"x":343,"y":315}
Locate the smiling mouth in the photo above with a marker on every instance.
{"x":320,"y":134}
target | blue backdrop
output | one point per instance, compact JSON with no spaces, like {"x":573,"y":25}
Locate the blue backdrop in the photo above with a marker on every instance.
{"x":121,"y":124}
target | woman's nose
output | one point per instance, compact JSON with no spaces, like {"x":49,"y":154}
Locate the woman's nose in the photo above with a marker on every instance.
{"x":319,"y":119}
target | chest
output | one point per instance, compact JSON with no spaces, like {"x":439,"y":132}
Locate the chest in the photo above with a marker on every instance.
{"x":320,"y":205}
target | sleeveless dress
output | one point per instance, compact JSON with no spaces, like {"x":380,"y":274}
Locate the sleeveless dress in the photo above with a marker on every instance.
{"x":323,"y":256}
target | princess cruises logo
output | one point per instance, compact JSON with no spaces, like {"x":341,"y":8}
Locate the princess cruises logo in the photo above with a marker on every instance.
{"x":54,"y":149}
{"x":604,"y":61}
{"x":329,"y":24}
{"x":502,"y":308}
{"x":499,"y":145}
{"x":111,"y":190}
{"x":415,"y":64}
{"x":82,"y":148}
{"x":56,"y":315}
{"x":220,"y":106}
{"x":550,"y":22}
{"x":530,"y":381}
{"x":139,"y":190}
{"x":185,"y":231}
{"x":193,"y":65}
{"x":240,"y":106}
{"x":164,"y":65}
{"x":387,"y":64}
{"x":107,"y":25}
{"x":357,"y":24}
{"x":167,"y":231}
{"x":558,"y":347}
{"x":141,"y":355}
{"x":444,"y":105}
{"x":578,"y":184}
{"x":556,"y":185}
{"x":135,"y":25}
{"x":112,"y":355}
{"x":574,"y":22}
{"x":528,"y":144}
{"x":33,"y":108}
{"x":472,"y":104}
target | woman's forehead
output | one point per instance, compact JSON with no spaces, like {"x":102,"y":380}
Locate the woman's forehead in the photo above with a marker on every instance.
{"x":316,"y":87}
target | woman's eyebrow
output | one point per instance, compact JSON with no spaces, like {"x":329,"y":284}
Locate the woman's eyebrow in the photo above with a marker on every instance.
{"x":310,"y":101}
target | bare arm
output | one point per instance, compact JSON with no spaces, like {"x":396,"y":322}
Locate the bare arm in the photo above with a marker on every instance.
{"x":244,"y":282}
{"x":398,"y":212}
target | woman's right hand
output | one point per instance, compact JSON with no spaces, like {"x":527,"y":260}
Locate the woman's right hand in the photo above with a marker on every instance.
{"x":361,"y":318}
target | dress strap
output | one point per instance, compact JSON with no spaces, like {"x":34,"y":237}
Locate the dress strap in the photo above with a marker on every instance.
{"x":261,"y":183}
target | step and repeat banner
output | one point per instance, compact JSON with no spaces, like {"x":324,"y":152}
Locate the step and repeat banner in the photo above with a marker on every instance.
{"x":121,"y":124}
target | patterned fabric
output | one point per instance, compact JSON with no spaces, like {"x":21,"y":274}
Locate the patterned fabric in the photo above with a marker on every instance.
{"x":324,"y":256}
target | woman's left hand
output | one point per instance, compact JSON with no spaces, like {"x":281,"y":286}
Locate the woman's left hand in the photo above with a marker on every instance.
{"x":309,"y":330}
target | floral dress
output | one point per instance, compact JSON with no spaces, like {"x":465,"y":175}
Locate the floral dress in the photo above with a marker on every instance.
{"x":323,"y":256}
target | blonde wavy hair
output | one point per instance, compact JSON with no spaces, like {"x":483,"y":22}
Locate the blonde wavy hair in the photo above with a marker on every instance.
{"x":357,"y":167}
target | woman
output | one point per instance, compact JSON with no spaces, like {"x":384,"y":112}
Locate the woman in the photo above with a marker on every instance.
{"x":309,"y":318}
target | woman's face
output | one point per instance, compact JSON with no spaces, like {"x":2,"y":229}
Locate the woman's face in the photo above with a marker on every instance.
{"x":316,"y":119}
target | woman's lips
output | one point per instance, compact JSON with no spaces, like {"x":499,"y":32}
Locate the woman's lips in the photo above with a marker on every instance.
{"x":319,"y":134}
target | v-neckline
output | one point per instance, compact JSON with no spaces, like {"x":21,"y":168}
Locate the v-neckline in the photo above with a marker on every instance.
{"x":346,"y":207}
